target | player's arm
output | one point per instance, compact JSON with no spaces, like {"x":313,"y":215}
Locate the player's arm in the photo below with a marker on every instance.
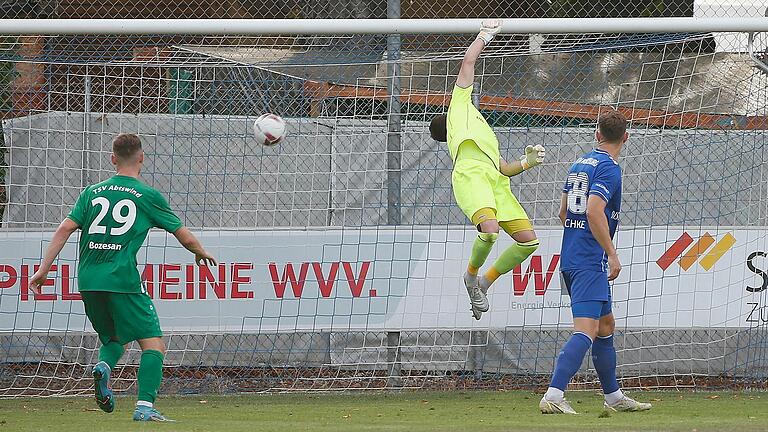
{"x":534,"y":155}
{"x":488,"y":30}
{"x":165,"y":218}
{"x":563,"y":207}
{"x":192,"y":244}
{"x":598,"y":225}
{"x":60,"y":237}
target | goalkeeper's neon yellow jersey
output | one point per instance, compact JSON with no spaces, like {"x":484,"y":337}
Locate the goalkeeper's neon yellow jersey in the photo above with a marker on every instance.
{"x":465,"y":123}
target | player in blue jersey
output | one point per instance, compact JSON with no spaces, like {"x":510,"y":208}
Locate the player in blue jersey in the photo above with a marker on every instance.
{"x":589,"y":210}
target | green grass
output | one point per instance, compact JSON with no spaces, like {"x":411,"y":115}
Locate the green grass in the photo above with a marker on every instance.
{"x":410,"y":411}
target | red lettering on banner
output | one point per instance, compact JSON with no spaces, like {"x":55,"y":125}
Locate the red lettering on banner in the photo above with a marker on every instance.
{"x":148,"y":277}
{"x":297,"y":285}
{"x":167,"y":280}
{"x":184,"y":276}
{"x":356,"y":285}
{"x":325,"y":285}
{"x":24,"y":288}
{"x":237,"y":280}
{"x":9,"y":280}
{"x":65,"y":293}
{"x":540,"y":280}
{"x":190,"y":281}
{"x":205,"y":276}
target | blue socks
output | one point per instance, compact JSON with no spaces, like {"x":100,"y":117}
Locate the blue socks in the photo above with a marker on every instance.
{"x":604,"y":359}
{"x":569,"y":362}
{"x":570,"y":358}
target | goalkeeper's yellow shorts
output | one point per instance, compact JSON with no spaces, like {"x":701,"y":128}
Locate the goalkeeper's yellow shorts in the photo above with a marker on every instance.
{"x":478,"y":185}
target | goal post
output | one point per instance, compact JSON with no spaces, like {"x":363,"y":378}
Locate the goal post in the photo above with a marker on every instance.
{"x":268,"y":27}
{"x":341,"y":250}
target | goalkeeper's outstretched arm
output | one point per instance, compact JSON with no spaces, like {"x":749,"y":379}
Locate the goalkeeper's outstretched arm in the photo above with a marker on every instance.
{"x":488,"y":30}
{"x":534,"y":155}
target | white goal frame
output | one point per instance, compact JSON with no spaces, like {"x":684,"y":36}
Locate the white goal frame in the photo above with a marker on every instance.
{"x":268,"y":27}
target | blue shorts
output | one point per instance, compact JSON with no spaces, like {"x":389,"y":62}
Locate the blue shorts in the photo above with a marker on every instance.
{"x":590,"y":293}
{"x":591,"y":309}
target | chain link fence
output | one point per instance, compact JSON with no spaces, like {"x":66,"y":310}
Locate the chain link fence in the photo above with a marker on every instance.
{"x":690,"y":97}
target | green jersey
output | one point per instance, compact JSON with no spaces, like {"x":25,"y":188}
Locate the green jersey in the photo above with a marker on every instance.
{"x":115,"y":216}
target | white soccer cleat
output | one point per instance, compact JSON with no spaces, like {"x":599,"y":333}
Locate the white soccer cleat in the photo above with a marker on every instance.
{"x":627,"y":404}
{"x":484,"y":284}
{"x":552,"y":407}
{"x":477,"y":297}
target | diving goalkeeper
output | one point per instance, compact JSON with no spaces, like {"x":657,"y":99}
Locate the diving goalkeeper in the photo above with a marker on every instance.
{"x":480,"y":179}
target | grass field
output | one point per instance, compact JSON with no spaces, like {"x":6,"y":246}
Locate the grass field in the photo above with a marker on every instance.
{"x":412,"y":411}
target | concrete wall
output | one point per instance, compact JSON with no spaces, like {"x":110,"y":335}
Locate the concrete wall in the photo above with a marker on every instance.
{"x":333,"y":172}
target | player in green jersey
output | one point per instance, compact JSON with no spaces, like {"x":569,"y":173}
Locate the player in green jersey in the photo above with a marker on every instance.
{"x":115,"y":216}
{"x":480,"y":179}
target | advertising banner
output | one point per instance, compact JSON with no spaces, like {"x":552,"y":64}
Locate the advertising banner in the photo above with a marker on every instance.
{"x":397,"y":279}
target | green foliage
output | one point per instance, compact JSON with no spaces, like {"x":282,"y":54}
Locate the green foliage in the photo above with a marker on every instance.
{"x":7,"y":73}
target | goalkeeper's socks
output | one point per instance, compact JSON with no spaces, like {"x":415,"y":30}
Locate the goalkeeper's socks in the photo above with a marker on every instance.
{"x":604,"y":359}
{"x":484,"y":283}
{"x":569,"y":360}
{"x":481,"y":248}
{"x":110,"y":353}
{"x":509,"y":259}
{"x":150,"y":376}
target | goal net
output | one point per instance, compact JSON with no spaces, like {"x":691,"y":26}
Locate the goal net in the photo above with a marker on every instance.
{"x":341,"y":249}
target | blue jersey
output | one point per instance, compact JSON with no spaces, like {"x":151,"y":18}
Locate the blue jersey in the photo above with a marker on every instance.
{"x":594,"y":174}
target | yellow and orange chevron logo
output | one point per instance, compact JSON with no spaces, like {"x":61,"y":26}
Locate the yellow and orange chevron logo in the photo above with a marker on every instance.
{"x":698,"y":249}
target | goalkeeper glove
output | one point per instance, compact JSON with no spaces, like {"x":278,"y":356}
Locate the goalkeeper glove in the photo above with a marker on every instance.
{"x":489,"y":29}
{"x":534,"y":155}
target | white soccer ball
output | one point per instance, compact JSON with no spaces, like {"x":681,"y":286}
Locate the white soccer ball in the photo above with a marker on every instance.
{"x":269,"y":129}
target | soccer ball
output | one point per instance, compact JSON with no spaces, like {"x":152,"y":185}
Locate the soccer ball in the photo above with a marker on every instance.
{"x":269,"y":129}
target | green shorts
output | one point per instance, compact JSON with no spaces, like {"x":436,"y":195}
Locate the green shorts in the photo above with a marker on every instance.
{"x":121,"y":317}
{"x":478,"y":185}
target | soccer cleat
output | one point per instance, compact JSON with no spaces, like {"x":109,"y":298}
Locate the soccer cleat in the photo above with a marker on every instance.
{"x":149,"y":414}
{"x":476,"y":314}
{"x":627,"y":404}
{"x":484,"y":284}
{"x":104,"y":397}
{"x":477,"y":297}
{"x":552,"y":407}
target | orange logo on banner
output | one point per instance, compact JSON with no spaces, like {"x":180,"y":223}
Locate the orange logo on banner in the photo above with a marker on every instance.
{"x":698,"y":250}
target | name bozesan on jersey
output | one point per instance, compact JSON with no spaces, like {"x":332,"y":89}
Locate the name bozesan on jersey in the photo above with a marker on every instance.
{"x":104,"y":246}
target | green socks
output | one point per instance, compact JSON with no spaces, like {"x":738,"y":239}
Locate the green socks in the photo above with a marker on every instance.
{"x":150,"y":368}
{"x":110,"y":353}
{"x":510,"y":258}
{"x":150,"y":375}
{"x":480,"y":250}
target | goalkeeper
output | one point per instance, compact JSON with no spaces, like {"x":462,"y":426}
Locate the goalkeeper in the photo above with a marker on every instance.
{"x":115,"y":216}
{"x":480,"y":179}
